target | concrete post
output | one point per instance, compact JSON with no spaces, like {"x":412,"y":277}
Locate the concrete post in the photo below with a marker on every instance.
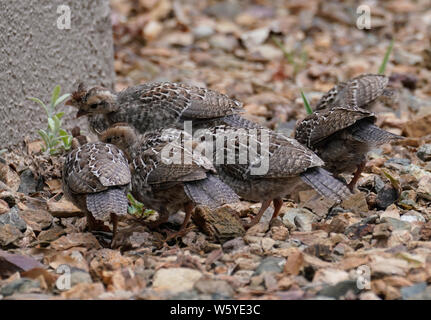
{"x":38,"y":49}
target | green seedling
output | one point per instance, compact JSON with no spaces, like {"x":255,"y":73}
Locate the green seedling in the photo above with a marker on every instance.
{"x":137,"y":209}
{"x":382,"y":68}
{"x":306,"y":103}
{"x":54,"y":137}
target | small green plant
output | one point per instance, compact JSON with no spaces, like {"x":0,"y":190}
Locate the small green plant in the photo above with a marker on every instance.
{"x":306,"y":103}
{"x":382,"y":68}
{"x":137,"y":209}
{"x":55,"y":138}
{"x":297,"y":59}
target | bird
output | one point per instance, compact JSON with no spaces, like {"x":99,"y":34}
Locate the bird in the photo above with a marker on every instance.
{"x":342,"y":136}
{"x":164,"y":184}
{"x":152,"y":106}
{"x":358,"y":92}
{"x":96,"y":178}
{"x":264,"y":166}
{"x":97,"y":123}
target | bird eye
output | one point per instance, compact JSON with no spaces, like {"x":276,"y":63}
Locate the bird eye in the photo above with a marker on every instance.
{"x":109,"y":140}
{"x":94,"y":105}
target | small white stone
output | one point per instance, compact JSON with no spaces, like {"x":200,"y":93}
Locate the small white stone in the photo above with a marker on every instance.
{"x":176,"y":279}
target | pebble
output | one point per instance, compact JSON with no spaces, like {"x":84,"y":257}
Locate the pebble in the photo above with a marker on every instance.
{"x":300,"y":217}
{"x":176,"y":280}
{"x":233,"y":245}
{"x":22,"y":285}
{"x":340,"y":289}
{"x":7,"y":196}
{"x":267,"y":244}
{"x":330,"y":276}
{"x":38,"y":220}
{"x":28,"y":182}
{"x":412,"y":216}
{"x":424,"y":152}
{"x":270,"y":264}
{"x":220,"y":288}
{"x":13,"y":218}
{"x":424,"y":187}
{"x":4,"y":207}
{"x":397,"y":224}
{"x":392,"y":211}
{"x":9,"y":235}
{"x":202,"y":31}
{"x":256,"y":37}
{"x":386,"y":197}
{"x":220,"y":41}
{"x":413,"y":291}
{"x":79,"y":276}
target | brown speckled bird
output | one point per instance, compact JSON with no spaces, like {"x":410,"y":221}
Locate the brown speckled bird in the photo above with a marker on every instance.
{"x":153,"y":106}
{"x":264,"y":166}
{"x":358,"y":92}
{"x":342,"y":136}
{"x":163,"y":184}
{"x":96,"y":178}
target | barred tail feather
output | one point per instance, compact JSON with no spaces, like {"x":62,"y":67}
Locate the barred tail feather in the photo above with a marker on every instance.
{"x":324,"y":183}
{"x":367,"y":132}
{"x":210,"y":192}
{"x":102,"y":204}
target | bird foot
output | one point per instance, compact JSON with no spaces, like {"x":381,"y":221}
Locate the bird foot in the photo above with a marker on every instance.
{"x":178,"y":234}
{"x":99,"y":226}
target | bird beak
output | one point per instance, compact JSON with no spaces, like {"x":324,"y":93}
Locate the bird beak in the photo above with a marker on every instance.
{"x":81,"y":113}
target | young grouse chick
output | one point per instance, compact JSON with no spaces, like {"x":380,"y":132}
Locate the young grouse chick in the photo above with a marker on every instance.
{"x":96,"y":178}
{"x":153,"y":106}
{"x":342,"y":136}
{"x":263,"y":166}
{"x":163,"y":184}
{"x":359,"y":92}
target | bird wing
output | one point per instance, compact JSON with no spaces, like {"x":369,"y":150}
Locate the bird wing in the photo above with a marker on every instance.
{"x":188,"y":102}
{"x":164,"y":159}
{"x":94,"y":167}
{"x":259,"y":152}
{"x":291,"y":158}
{"x":355,"y":93}
{"x":323,"y":123}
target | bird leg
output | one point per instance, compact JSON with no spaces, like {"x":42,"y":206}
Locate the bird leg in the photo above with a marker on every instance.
{"x":188,"y":208}
{"x":356,"y":176}
{"x":96,"y":225}
{"x":114,"y":220}
{"x":278,"y":203}
{"x":256,"y":219}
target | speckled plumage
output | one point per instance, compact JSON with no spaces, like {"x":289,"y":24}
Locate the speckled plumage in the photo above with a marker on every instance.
{"x":358,"y":92}
{"x":97,"y":123}
{"x":290,"y":167}
{"x":96,"y":178}
{"x":341,"y":136}
{"x":153,"y":106}
{"x":169,"y":186}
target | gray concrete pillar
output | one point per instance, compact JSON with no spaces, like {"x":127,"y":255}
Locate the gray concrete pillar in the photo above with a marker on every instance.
{"x":38,"y":50}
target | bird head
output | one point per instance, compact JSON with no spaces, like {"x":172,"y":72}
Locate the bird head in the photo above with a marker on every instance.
{"x":120,"y":135}
{"x":97,"y":100}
